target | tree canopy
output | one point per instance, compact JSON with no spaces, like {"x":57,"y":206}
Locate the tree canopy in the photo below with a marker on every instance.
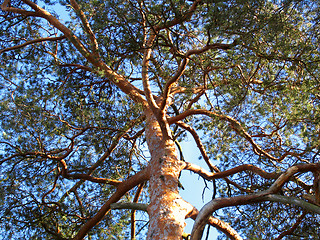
{"x":97,"y":97}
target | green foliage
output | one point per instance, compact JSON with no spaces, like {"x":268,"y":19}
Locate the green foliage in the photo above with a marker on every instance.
{"x":54,"y":104}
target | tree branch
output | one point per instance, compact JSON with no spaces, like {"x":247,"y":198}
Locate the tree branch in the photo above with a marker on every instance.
{"x":246,"y":167}
{"x":170,"y":82}
{"x":122,"y":189}
{"x":236,"y":126}
{"x":219,"y":224}
{"x":291,"y":230}
{"x":86,"y":26}
{"x":204,"y":153}
{"x":32,"y":42}
{"x":129,"y":205}
{"x":268,"y":195}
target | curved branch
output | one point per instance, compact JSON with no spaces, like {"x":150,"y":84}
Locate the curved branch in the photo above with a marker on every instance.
{"x":268,"y":195}
{"x":199,"y":145}
{"x":291,"y":230}
{"x":204,"y":153}
{"x":170,"y":82}
{"x":292,"y":201}
{"x":122,"y":189}
{"x":245,"y":167}
{"x":238,"y":128}
{"x":220,"y":225}
{"x":32,"y":42}
{"x":86,"y":26}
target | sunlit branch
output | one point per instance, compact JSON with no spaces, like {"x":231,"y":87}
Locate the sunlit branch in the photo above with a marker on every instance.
{"x":66,"y":174}
{"x":32,"y":42}
{"x":204,"y":153}
{"x":170,"y":82}
{"x":219,"y":224}
{"x":154,"y":31}
{"x":236,"y":126}
{"x":268,"y":195}
{"x":246,"y":167}
{"x":196,"y":98}
{"x":86,"y":26}
{"x":145,"y":76}
{"x":199,"y":144}
{"x":122,"y":189}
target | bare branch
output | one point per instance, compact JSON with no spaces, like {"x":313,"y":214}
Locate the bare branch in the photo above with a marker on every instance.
{"x":268,"y":195}
{"x":238,"y":128}
{"x":129,"y":205}
{"x":246,"y":167}
{"x":219,"y":224}
{"x":199,"y":145}
{"x":291,"y":230}
{"x":32,"y":42}
{"x":122,"y":189}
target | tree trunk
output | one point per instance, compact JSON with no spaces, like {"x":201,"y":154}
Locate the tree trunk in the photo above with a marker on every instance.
{"x":167,"y":210}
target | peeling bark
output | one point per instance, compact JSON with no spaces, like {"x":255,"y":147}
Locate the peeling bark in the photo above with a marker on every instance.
{"x":167,"y":210}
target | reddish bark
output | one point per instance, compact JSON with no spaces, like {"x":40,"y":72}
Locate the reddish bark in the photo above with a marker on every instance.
{"x":167,"y":210}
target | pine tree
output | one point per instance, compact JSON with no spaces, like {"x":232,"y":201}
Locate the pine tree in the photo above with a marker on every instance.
{"x":98,"y":96}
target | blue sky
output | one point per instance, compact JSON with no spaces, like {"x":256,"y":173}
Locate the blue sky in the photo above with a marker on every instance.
{"x":194,"y":185}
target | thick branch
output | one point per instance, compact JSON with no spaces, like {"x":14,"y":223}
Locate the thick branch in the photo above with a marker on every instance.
{"x":129,"y":205}
{"x":122,"y":189}
{"x":293,"y":201}
{"x":145,"y":76}
{"x":220,"y":225}
{"x":268,"y":195}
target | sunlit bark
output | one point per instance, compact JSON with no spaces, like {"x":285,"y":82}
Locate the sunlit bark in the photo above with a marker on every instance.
{"x":167,"y":210}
